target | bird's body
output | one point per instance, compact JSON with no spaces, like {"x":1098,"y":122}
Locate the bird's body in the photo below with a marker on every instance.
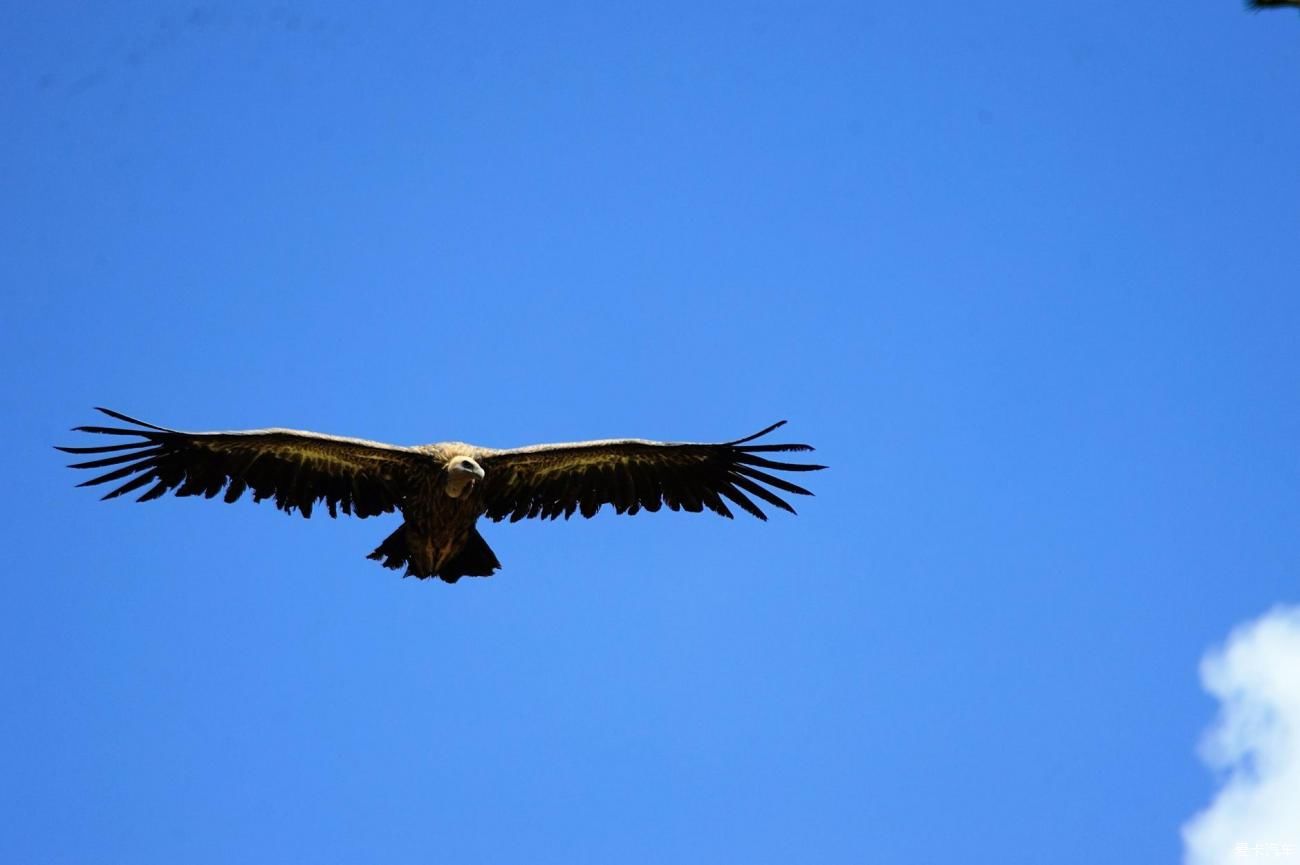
{"x":441,"y":489}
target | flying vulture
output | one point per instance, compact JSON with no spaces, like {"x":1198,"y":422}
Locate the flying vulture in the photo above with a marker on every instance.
{"x":441,"y":489}
{"x":1272,"y":4}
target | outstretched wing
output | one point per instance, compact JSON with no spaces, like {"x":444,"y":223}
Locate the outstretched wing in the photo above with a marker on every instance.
{"x":633,"y":474}
{"x":295,"y":468}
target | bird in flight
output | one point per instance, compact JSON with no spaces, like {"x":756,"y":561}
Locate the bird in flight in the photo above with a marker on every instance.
{"x":441,"y":489}
{"x":1272,"y":4}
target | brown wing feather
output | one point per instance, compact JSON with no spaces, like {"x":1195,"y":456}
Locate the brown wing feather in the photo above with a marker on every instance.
{"x":296,"y":469}
{"x":633,"y":475}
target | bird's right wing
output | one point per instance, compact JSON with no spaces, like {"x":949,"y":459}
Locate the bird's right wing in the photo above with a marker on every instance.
{"x":294,"y":468}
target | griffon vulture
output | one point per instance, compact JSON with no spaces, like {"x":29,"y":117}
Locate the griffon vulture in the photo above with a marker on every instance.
{"x":441,"y":489}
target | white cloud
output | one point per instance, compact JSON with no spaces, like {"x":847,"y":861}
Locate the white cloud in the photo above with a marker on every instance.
{"x":1255,"y":742}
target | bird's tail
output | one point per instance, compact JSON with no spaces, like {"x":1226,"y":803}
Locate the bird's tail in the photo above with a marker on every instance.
{"x":475,"y":558}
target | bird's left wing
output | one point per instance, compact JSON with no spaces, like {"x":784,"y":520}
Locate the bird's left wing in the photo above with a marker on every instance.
{"x":292,"y":467}
{"x":633,"y":474}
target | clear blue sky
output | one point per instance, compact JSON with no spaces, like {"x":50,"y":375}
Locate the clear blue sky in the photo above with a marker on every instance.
{"x":1026,"y":274}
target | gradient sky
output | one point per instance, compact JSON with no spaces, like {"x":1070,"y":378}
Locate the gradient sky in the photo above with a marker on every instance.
{"x":1025,"y":274}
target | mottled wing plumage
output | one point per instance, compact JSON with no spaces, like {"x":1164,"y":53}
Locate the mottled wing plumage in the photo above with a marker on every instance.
{"x":296,"y":469}
{"x":633,"y":475}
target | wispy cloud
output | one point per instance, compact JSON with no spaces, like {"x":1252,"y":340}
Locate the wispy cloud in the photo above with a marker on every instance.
{"x":1255,"y":743}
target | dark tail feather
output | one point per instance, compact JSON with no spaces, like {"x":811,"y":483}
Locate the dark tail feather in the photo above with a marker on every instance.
{"x":394,"y":552}
{"x":475,"y":559}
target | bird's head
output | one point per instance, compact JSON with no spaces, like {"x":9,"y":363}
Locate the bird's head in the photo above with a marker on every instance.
{"x":462,"y":473}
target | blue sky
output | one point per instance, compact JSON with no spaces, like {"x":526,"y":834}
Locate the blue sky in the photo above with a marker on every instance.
{"x":1025,"y":275}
